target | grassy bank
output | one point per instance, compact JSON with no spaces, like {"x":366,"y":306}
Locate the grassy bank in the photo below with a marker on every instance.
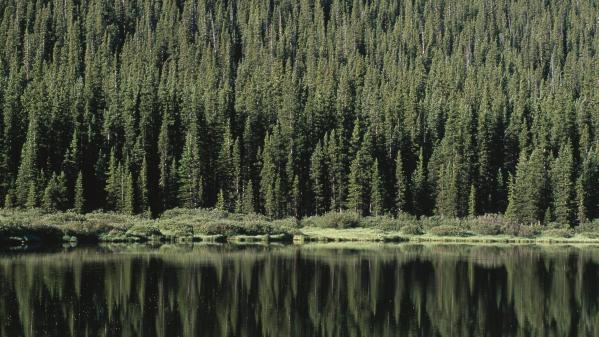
{"x":174,"y":225}
{"x":179,"y":225}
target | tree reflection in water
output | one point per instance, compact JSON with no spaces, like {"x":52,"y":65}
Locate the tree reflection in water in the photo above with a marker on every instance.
{"x":311,"y":290}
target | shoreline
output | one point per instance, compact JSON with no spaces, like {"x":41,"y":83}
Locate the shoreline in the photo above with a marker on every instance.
{"x":26,"y":227}
{"x":331,"y":236}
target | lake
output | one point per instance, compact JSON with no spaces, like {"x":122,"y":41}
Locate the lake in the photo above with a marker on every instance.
{"x":309,"y":290}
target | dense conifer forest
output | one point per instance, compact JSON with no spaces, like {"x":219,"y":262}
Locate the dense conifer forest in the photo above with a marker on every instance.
{"x":295,"y":108}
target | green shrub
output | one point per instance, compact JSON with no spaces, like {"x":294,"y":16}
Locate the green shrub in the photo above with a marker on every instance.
{"x":591,"y":235}
{"x":381,"y":222}
{"x":556,"y":225}
{"x":436,"y":221}
{"x":526,"y":231}
{"x":333,"y":220}
{"x":175,"y":229}
{"x":486,"y":228}
{"x":412,"y":230}
{"x":448,"y":230}
{"x":144,"y":231}
{"x":558,"y":233}
{"x":588,"y":228}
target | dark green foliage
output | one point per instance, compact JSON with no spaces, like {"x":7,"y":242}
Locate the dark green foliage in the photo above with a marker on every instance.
{"x":472,"y":202}
{"x":248,"y":205}
{"x":191,"y":182}
{"x":55,"y":194}
{"x":80,"y":202}
{"x":285,"y":108}
{"x":528,"y":194}
{"x":377,"y":192}
{"x":319,"y":178}
{"x":401,"y":185}
{"x":333,"y":220}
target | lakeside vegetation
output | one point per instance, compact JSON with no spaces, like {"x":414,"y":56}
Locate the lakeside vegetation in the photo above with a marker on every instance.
{"x":183,"y":225}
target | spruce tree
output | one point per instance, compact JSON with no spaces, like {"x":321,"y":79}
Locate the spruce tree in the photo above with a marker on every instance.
{"x":248,"y":199}
{"x":113,"y":184}
{"x":563,"y":186}
{"x":296,"y":198}
{"x":581,"y":197}
{"x":472,"y":202}
{"x":143,"y":188}
{"x":377,"y":192}
{"x":32,"y":195}
{"x":268,"y":178}
{"x":9,"y":199}
{"x":220,"y":201}
{"x":421,"y":195}
{"x":448,"y":196}
{"x":80,"y":202}
{"x":401,"y":185}
{"x":54,"y":198}
{"x":190,"y":178}
{"x":28,"y":169}
{"x":129,"y":194}
{"x":528,"y":202}
{"x":319,"y":180}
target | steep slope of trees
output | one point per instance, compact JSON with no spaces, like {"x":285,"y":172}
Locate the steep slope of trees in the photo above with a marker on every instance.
{"x":301,"y":107}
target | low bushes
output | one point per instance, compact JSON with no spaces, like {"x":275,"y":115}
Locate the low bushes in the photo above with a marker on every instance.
{"x":558,"y":233}
{"x":412,"y":230}
{"x":35,"y":225}
{"x":448,"y":230}
{"x":333,"y":220}
{"x":486,"y":229}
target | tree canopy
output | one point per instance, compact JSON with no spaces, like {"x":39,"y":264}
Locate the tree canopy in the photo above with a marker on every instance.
{"x":294,"y":108}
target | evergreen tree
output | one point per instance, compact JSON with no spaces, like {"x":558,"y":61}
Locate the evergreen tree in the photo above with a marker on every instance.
{"x":220,"y":201}
{"x":296,"y":198}
{"x":472,"y":202}
{"x":129,"y":195}
{"x":9,"y":199}
{"x":25,"y":183}
{"x":360,"y":178}
{"x":563,"y":186}
{"x":421,"y":195}
{"x":448,"y":195}
{"x":113,"y":184}
{"x":190,"y":179}
{"x":80,"y":202}
{"x":55,"y":198}
{"x":32,"y":195}
{"x":319,"y":179}
{"x":528,"y":195}
{"x":377,"y":193}
{"x":248,"y":199}
{"x":143,"y":188}
{"x":401,"y":185}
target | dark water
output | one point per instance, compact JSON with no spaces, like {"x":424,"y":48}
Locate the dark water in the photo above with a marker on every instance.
{"x":401,"y":290}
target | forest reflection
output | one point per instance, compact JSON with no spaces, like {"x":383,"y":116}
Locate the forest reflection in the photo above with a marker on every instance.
{"x":310,"y":290}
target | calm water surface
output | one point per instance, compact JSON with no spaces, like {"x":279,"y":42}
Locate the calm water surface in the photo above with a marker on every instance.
{"x":312,"y":290}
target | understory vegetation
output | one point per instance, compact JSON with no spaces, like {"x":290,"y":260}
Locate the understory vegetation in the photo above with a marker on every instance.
{"x":29,"y":226}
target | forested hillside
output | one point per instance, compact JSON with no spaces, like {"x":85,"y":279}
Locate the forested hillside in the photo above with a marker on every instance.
{"x":294,"y":108}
